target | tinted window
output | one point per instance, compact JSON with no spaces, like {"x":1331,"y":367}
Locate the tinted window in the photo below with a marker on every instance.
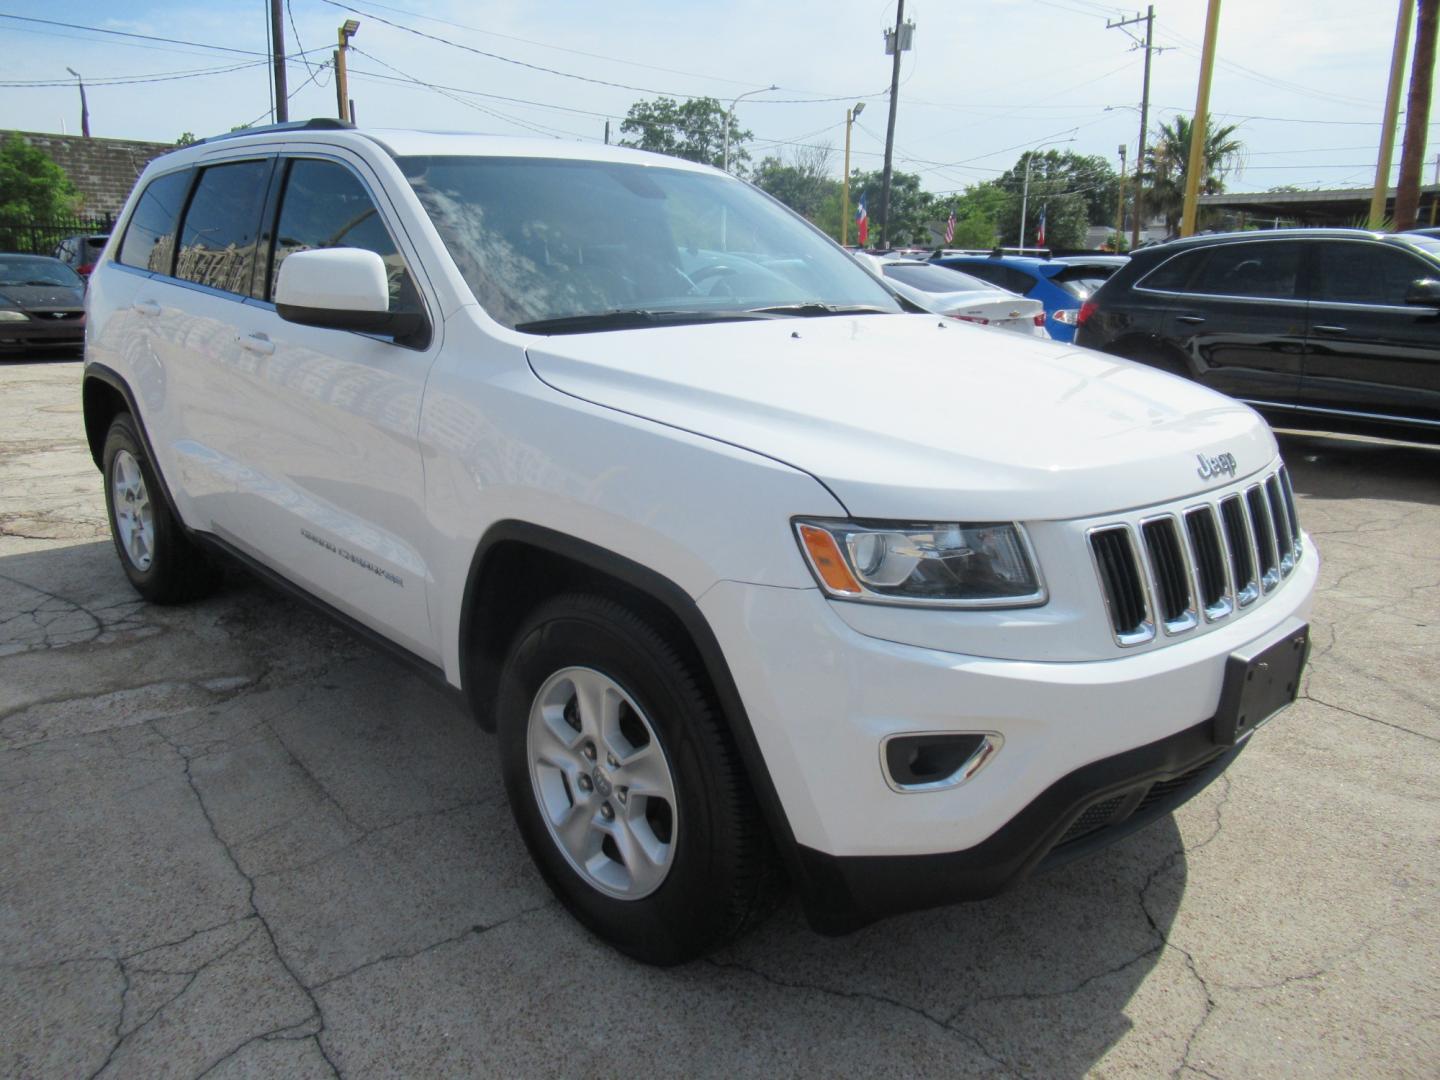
{"x":1004,"y":276}
{"x":326,"y":206}
{"x":1254,"y":269}
{"x":935,"y":279}
{"x":1367,"y":274}
{"x":1174,"y":275}
{"x":150,"y":238}
{"x":1082,"y":281}
{"x":217,"y":241}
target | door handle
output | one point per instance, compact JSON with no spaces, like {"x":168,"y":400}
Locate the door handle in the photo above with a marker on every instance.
{"x":1191,"y":319}
{"x":257,"y":343}
{"x":146,"y":307}
{"x":1328,"y":329}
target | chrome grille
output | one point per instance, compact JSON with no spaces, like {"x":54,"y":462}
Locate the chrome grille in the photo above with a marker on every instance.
{"x":1184,"y":569}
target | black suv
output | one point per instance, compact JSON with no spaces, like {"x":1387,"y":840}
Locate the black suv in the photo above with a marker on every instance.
{"x":1337,"y":329}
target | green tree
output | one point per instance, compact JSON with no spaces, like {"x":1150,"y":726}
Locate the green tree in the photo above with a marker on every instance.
{"x":1165,"y":163}
{"x":802,"y":183}
{"x":978,"y":211}
{"x":187,"y":138}
{"x":1072,"y":190}
{"x":32,"y":186}
{"x":693,"y":130}
{"x":911,"y":207}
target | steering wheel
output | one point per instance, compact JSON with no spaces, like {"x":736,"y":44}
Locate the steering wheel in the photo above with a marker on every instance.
{"x":707,"y":272}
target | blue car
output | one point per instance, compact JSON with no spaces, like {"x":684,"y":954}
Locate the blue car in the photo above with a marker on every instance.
{"x":1061,"y":284}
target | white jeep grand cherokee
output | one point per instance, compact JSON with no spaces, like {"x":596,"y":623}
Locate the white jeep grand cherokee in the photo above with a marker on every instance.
{"x":753,"y":570}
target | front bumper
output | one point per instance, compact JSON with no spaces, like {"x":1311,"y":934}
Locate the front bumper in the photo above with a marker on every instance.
{"x":822,"y":697}
{"x":43,"y":334}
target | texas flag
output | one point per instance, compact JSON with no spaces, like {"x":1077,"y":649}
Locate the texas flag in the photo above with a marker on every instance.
{"x":862,"y":222}
{"x":1040,"y":232}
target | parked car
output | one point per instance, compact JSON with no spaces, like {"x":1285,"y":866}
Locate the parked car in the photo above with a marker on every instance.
{"x":739,"y":558}
{"x":1060,"y":284}
{"x":957,"y":295}
{"x":1337,"y":329}
{"x":42,"y":304}
{"x":81,"y":252}
{"x":1434,"y":233}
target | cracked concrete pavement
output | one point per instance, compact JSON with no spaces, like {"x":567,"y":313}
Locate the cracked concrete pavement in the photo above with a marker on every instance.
{"x":238,"y":842}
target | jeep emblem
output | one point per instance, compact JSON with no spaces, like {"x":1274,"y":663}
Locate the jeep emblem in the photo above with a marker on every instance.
{"x":1219,"y":465}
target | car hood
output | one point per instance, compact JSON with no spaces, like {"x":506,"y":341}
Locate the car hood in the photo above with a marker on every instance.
{"x":912,"y":417}
{"x":42,"y":296}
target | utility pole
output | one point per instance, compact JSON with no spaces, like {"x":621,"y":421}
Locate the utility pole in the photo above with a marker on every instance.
{"x":1417,"y":117}
{"x":900,"y":42}
{"x":342,"y":73}
{"x":1120,"y":199}
{"x":1149,"y":20}
{"x":1392,"y":109}
{"x":850,"y":115}
{"x":277,"y":54}
{"x":84,"y":109}
{"x":607,"y":132}
{"x":1195,"y":163}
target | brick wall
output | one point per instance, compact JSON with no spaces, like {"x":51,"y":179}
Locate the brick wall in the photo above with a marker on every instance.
{"x":102,"y":170}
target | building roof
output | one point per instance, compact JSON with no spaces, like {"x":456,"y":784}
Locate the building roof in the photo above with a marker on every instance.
{"x":102,"y":170}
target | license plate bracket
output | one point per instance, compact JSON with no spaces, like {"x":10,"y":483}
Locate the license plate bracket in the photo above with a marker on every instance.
{"x":1260,"y":680}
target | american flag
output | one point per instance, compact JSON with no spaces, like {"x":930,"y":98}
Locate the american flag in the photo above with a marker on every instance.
{"x":950,"y":228}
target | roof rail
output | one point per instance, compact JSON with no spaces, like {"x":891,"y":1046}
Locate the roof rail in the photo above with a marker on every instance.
{"x":316,"y":123}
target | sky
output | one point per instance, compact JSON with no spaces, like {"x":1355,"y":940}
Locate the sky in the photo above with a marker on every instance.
{"x":986,"y":80}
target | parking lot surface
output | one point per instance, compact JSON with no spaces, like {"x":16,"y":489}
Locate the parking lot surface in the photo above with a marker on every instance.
{"x":235,"y":841}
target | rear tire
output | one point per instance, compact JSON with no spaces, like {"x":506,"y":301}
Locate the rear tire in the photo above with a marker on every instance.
{"x":164,"y":565}
{"x":594,"y":708}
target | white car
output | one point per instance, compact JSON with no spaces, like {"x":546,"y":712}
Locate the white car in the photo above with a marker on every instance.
{"x":957,"y":295}
{"x":745,"y":568}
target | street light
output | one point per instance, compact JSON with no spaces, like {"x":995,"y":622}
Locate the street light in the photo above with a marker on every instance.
{"x":730,"y":117}
{"x":850,"y":115}
{"x":1025,"y":198}
{"x":342,"y":76}
{"x":84,"y":109}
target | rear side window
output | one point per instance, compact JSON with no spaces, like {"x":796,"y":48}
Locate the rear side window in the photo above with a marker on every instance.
{"x":326,"y":206}
{"x":1004,"y":276}
{"x":1174,"y":275}
{"x":217,"y":241}
{"x":1266,"y":269}
{"x":150,"y":236}
{"x":934,"y":279}
{"x":1352,"y":273}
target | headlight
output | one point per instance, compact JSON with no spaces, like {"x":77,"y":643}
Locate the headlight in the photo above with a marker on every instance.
{"x":7,"y":315}
{"x":944,"y":564}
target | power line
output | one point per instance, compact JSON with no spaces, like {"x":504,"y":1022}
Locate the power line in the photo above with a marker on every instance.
{"x":132,"y":80}
{"x":129,"y":34}
{"x":572,"y":75}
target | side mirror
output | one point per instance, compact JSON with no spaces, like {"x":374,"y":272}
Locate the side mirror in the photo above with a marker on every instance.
{"x":341,"y":289}
{"x":1424,"y":292}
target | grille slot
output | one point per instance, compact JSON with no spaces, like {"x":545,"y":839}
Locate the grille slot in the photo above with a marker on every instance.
{"x":1124,"y":589}
{"x":1215,"y":556}
{"x":1264,"y":537}
{"x":1094,"y":818}
{"x":1209,"y":561}
{"x":1242,"y":550}
{"x":1171,"y":572}
{"x":1288,"y":493}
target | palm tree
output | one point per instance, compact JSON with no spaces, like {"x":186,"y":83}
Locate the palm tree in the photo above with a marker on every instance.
{"x":1166,"y":158}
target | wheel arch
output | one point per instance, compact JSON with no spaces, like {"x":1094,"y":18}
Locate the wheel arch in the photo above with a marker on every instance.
{"x":517,"y":565}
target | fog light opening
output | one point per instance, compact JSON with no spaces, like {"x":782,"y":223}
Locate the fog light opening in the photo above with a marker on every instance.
{"x":936,"y":760}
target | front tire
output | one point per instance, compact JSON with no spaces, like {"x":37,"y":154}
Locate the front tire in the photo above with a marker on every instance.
{"x":163,"y":564}
{"x":625,"y":783}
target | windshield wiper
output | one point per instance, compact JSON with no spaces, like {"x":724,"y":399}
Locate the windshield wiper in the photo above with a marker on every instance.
{"x":630,"y":318}
{"x":815,"y":308}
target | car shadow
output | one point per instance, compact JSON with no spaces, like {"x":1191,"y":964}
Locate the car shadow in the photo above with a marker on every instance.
{"x":1354,"y":467}
{"x":1036,"y":980}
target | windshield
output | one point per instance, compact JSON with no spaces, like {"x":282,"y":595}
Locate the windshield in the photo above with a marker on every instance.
{"x":935,"y":279}
{"x":37,"y":271}
{"x":539,"y":240}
